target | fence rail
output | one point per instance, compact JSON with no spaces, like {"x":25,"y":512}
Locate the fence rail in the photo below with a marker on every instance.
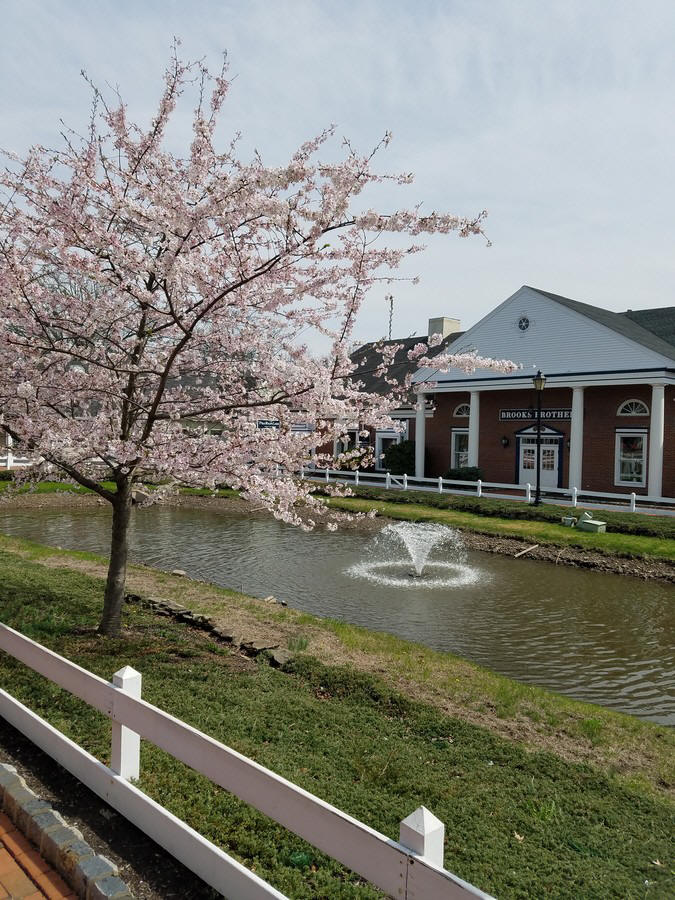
{"x":479,"y":487}
{"x":410,"y":868}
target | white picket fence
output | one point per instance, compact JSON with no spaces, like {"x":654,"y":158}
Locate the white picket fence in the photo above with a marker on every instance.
{"x":10,"y":460}
{"x":407,"y":869}
{"x":480,"y":488}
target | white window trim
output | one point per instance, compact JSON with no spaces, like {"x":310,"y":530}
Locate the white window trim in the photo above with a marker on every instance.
{"x":459,"y":415}
{"x":391,"y":433}
{"x":628,"y":432}
{"x":632,"y":400}
{"x":453,"y":435}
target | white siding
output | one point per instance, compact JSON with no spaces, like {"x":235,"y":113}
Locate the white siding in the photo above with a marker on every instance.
{"x":558,"y":340}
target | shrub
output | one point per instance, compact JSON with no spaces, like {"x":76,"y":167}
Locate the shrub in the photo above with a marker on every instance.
{"x":6,"y":475}
{"x":465,"y":473}
{"x":400,"y":458}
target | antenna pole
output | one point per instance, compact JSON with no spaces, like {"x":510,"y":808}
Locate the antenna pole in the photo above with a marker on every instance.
{"x":390,"y":299}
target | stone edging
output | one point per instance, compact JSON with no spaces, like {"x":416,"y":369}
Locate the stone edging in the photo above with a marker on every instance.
{"x":91,"y":876}
{"x":277,"y":656}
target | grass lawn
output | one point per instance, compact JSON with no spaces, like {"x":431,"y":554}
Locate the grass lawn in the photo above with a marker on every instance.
{"x":540,"y":532}
{"x":519,"y":823}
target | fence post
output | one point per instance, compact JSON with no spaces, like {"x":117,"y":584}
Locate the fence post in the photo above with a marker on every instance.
{"x":276,"y":470}
{"x":423,"y":833}
{"x":633,"y":498}
{"x":479,"y":488}
{"x":302,"y":471}
{"x":125,"y":758}
{"x":528,"y":492}
{"x":440,"y":484}
{"x":356,"y":477}
{"x":327,"y":474}
{"x":574,"y":496}
{"x":387,"y":480}
{"x":405,"y":481}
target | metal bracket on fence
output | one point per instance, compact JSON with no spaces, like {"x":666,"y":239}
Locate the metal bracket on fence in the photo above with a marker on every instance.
{"x":125,"y":758}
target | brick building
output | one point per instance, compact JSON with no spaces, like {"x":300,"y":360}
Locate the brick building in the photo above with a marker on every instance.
{"x":608,"y":407}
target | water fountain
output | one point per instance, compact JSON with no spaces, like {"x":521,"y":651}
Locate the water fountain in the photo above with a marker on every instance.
{"x":421,"y":542}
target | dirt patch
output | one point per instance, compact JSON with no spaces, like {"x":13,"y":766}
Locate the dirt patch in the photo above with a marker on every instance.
{"x":654,"y":569}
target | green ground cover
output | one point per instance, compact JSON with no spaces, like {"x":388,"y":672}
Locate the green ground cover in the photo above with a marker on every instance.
{"x":519,"y":824}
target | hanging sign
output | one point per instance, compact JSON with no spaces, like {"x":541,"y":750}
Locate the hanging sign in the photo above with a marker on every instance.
{"x":507,"y":415}
{"x":268,"y":423}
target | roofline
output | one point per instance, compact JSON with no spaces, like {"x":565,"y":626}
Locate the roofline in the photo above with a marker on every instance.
{"x":551,"y":375}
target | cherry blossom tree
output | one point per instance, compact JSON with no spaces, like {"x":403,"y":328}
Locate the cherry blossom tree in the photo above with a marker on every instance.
{"x":156,"y":307}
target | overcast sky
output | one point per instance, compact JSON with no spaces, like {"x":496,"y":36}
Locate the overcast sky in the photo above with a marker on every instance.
{"x":557,"y":117}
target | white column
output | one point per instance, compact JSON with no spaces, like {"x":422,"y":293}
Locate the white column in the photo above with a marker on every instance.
{"x":474,"y":422}
{"x":576,"y":438}
{"x":420,"y":436}
{"x":656,"y":429}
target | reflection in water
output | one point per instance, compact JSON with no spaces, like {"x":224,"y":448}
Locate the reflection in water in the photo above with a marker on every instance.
{"x":602,"y":638}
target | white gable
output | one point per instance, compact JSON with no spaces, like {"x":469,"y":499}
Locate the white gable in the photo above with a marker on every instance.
{"x":539,"y":333}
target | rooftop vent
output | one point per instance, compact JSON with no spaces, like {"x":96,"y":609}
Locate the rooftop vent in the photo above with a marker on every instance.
{"x":443,"y":325}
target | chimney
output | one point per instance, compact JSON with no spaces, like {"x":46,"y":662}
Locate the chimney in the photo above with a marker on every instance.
{"x":443,"y":325}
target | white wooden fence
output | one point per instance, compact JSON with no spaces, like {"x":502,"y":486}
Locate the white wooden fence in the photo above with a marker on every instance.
{"x":411,"y":869}
{"x":448,"y":486}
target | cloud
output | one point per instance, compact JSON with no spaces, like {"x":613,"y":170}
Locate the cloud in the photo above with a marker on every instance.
{"x":556,"y":117}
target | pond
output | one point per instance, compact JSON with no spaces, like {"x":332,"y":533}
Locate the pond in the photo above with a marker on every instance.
{"x":607,"y":639}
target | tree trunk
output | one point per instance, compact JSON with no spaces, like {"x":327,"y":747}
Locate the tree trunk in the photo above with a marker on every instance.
{"x":113,"y":601}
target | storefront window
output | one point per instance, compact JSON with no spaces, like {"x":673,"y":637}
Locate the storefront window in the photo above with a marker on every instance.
{"x":631,"y":458}
{"x":459,"y":452}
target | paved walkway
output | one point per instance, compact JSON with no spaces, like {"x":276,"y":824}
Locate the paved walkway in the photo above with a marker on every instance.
{"x":24,"y":875}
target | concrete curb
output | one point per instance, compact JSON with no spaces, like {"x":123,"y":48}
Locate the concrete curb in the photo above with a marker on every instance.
{"x":91,"y":876}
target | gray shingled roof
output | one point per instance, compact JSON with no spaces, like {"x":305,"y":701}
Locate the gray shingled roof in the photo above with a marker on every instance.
{"x":634,"y":325}
{"x":660,"y":322}
{"x":367,"y":360}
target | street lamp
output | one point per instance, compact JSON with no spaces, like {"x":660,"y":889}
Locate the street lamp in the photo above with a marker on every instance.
{"x":539,"y":382}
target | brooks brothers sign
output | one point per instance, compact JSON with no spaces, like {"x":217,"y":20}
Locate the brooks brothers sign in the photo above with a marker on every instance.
{"x":507,"y":415}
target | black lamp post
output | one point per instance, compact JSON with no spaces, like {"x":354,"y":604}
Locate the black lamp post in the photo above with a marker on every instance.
{"x":539,"y":382}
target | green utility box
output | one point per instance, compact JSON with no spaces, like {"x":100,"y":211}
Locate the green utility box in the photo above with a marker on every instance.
{"x":588,"y":523}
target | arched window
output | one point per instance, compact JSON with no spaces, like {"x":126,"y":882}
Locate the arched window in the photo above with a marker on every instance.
{"x":462,"y":411}
{"x":633,"y":408}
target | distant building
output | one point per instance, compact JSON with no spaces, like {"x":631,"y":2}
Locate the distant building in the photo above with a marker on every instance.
{"x":608,"y":408}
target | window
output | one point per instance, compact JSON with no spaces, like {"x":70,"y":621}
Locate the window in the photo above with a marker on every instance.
{"x":529,"y":457}
{"x":459,"y":448}
{"x":462,"y":411}
{"x":633,"y":408}
{"x":548,"y":455}
{"x":630,"y":467}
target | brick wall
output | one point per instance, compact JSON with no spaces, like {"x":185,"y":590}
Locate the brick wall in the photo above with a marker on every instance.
{"x":600,"y":423}
{"x":499,"y":463}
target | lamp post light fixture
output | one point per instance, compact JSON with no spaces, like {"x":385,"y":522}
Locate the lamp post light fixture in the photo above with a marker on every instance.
{"x":539,"y":382}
